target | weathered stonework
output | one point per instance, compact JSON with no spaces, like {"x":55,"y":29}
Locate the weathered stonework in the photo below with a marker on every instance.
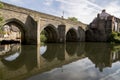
{"x":29,"y":20}
{"x":100,"y":29}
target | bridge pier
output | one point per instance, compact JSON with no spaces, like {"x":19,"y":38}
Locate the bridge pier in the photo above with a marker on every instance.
{"x":38,"y":31}
{"x":30,"y":30}
{"x":61,"y":30}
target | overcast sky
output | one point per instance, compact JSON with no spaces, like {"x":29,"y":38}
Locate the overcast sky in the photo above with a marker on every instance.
{"x":84,"y":10}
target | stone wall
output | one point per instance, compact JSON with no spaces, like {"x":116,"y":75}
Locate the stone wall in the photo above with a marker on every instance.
{"x":29,"y":21}
{"x":100,"y":29}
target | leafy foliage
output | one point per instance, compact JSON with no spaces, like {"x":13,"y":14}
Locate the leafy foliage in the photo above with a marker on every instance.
{"x":1,"y":20}
{"x":115,"y":37}
{"x":73,"y":19}
{"x":1,"y":5}
{"x":43,"y":38}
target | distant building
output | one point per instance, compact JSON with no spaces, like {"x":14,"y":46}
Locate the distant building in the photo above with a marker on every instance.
{"x":102,"y":26}
{"x":10,"y":33}
{"x":104,"y":15}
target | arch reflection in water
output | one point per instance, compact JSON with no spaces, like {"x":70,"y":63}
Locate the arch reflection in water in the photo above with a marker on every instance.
{"x":24,"y":55}
{"x":43,"y":49}
{"x":75,"y":49}
{"x":12,"y":57}
{"x":58,"y":51}
{"x":9,"y":49}
{"x":14,"y":52}
{"x":54,"y":51}
{"x":100,"y":54}
{"x":58,"y":55}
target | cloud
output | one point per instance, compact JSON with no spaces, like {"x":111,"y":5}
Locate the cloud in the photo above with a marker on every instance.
{"x":113,"y":8}
{"x":16,"y":1}
{"x":84,"y":10}
{"x":48,"y":2}
{"x":21,"y":3}
{"x":87,"y":10}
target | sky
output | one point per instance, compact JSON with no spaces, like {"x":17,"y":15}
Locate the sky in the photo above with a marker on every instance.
{"x":84,"y":10}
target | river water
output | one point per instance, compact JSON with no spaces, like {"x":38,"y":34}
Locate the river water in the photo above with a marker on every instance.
{"x":70,"y":61}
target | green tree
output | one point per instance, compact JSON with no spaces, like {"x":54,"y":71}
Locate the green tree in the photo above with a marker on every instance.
{"x":73,"y":19}
{"x":43,"y":38}
{"x":1,"y":5}
{"x":1,"y":20}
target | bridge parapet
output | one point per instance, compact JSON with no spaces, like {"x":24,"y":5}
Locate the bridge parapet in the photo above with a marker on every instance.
{"x":28,"y":20}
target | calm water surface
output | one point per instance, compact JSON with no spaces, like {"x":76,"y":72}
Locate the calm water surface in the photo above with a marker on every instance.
{"x":70,"y":61}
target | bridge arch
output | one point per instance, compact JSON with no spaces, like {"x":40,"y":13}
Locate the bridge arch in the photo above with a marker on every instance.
{"x":51,"y":33}
{"x":72,"y":35}
{"x":81,"y":34}
{"x":13,"y":58}
{"x":17,"y":23}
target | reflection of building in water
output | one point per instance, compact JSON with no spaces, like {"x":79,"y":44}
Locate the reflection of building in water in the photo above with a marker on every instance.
{"x":11,"y":32}
{"x":115,"y":56}
{"x":4,"y":49}
{"x":102,"y":56}
{"x":8,"y":49}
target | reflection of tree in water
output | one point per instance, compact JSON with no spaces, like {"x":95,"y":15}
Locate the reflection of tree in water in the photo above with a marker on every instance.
{"x":115,"y":53}
{"x":75,"y":49}
{"x":54,"y":51}
{"x":100,"y":54}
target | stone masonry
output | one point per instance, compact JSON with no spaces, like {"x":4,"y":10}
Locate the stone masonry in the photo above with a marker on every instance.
{"x":32,"y":23}
{"x":101,"y":27}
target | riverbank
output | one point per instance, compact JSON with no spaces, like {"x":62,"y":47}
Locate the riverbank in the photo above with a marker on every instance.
{"x":9,"y":42}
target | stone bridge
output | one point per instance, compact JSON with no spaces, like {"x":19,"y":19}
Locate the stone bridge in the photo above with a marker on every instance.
{"x":32,"y":23}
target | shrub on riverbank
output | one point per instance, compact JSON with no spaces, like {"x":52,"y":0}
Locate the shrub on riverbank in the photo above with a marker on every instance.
{"x":1,"y":21}
{"x":43,"y":38}
{"x":115,"y":37}
{"x":1,"y":18}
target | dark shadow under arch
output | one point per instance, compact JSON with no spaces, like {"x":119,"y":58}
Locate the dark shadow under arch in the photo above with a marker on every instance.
{"x":81,"y":33}
{"x":51,"y":33}
{"x":72,"y":35}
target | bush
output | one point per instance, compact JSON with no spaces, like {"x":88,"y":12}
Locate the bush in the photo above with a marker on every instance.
{"x":43,"y":38}
{"x":1,"y":18}
{"x":1,"y":5}
{"x":2,"y":32}
{"x":115,"y":37}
